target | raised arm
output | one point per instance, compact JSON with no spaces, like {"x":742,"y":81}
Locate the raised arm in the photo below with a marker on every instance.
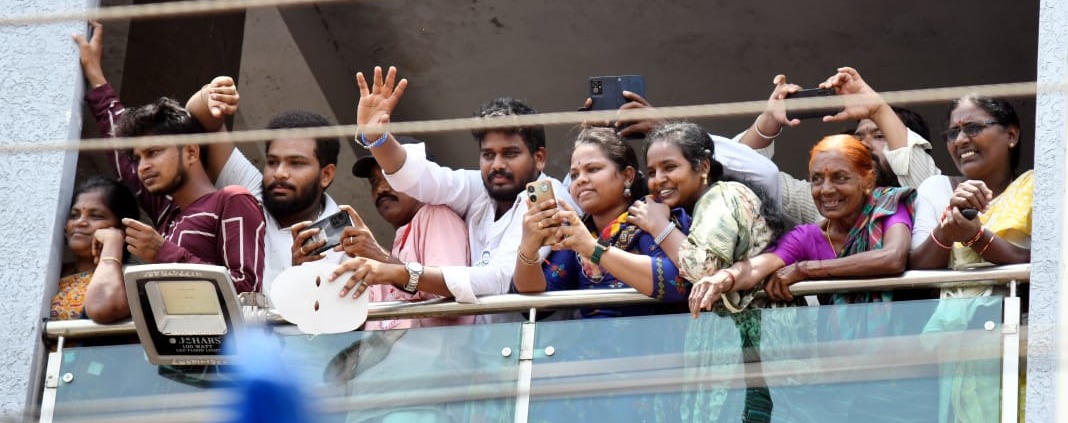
{"x":769,"y":124}
{"x":377,"y":102}
{"x":210,"y":105}
{"x":862,"y":102}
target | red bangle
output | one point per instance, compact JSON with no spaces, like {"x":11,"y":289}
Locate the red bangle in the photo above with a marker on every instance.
{"x":985,"y":247}
{"x":729,"y":276}
{"x":939,"y":243}
{"x":976,"y":238}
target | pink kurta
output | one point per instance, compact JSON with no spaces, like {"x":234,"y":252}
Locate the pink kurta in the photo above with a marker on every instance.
{"x":436,"y":236}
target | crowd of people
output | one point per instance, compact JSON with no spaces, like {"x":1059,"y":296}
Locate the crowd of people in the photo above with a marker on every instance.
{"x":706,"y":224}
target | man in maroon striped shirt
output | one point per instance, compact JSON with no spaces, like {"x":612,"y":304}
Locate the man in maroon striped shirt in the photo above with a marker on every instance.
{"x":194,"y":222}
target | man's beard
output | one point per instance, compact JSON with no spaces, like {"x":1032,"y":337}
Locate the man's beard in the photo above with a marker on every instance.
{"x":506,"y":194}
{"x":176,"y":183}
{"x":303,"y":197}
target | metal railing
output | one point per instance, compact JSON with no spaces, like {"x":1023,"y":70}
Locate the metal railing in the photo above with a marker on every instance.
{"x":521,"y":388}
{"x":999,"y":275}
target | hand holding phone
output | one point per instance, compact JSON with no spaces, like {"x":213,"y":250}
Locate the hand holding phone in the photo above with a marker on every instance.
{"x":330,"y":229}
{"x":607,"y":91}
{"x":813,"y":113}
{"x":540,"y":191}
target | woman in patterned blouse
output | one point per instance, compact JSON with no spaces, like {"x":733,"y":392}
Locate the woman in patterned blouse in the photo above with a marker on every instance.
{"x":604,"y":249}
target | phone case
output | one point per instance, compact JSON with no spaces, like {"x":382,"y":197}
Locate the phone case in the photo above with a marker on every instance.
{"x":607,"y":91}
{"x":539,"y":191}
{"x":330,"y":229}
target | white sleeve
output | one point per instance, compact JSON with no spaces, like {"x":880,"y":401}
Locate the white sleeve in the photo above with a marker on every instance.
{"x":743,"y":163}
{"x":430,"y":183}
{"x":467,"y":283}
{"x":912,"y":164}
{"x":239,"y":171}
{"x":932,"y":197}
{"x":797,"y":203}
{"x":768,"y":151}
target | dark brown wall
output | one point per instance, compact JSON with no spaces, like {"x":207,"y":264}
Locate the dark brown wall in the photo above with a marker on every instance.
{"x":458,"y":54}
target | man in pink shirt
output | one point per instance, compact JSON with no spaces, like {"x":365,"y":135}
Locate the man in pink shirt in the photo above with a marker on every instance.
{"x":415,"y":244}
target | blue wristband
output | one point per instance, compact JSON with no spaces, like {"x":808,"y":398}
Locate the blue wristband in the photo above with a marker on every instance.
{"x":362,"y":140}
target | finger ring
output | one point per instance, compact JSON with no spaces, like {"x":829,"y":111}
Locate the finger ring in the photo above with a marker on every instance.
{"x":351,"y":241}
{"x":302,"y":250}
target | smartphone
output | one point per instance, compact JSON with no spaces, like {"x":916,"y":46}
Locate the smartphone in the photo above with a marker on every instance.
{"x":330,"y":229}
{"x":540,"y":191}
{"x":607,"y":91}
{"x":813,"y":113}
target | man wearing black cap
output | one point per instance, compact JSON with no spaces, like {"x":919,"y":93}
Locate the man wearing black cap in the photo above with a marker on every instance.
{"x":444,"y":245}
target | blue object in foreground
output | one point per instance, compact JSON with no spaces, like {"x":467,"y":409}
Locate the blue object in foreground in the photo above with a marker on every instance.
{"x":265,"y":390}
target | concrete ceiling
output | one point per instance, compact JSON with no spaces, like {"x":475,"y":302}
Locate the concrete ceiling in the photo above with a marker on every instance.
{"x":458,"y":54}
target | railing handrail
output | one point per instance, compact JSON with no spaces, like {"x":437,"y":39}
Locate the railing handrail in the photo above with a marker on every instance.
{"x":491,"y":304}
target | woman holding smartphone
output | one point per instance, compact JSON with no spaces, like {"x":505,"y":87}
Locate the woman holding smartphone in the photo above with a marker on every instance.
{"x":605,"y":249}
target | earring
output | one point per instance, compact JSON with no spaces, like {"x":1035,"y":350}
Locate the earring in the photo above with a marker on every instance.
{"x":626,"y":192}
{"x":867,"y":191}
{"x":704,"y":179}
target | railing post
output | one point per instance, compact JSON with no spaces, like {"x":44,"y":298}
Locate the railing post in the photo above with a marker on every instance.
{"x":51,"y":383}
{"x":526,"y":368}
{"x":1010,"y":357}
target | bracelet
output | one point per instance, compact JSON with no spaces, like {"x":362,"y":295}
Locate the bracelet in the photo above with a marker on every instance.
{"x":664,"y":233}
{"x":361,"y":139}
{"x":598,"y":251}
{"x":108,"y":258}
{"x":985,"y":247}
{"x":761,"y":134}
{"x":939,"y":243}
{"x":527,"y":261}
{"x":729,"y":276}
{"x":976,"y":238}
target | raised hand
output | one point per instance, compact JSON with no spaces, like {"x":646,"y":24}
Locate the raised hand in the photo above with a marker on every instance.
{"x":573,"y":234}
{"x":107,"y":242}
{"x":378,"y":101}
{"x":90,"y":53}
{"x":774,"y":115}
{"x":142,"y":240}
{"x":221,"y":96}
{"x":629,"y":127}
{"x":861,"y":101}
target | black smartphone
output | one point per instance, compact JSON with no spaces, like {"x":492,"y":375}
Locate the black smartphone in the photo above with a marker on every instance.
{"x":607,"y":91}
{"x":813,"y":113}
{"x":330,"y":229}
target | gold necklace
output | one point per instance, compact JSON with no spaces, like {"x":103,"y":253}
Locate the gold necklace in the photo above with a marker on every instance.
{"x":827,"y":234}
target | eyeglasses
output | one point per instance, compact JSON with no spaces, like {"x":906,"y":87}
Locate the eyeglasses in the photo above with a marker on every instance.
{"x":969,"y":129}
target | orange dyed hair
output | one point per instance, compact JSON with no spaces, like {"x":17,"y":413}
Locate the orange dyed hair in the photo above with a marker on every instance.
{"x":856,"y":153}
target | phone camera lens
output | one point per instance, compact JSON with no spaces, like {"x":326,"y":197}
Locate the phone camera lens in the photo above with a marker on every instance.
{"x":530,"y":189}
{"x":533,"y":198}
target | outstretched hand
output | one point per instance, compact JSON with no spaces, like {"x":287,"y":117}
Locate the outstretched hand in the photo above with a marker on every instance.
{"x":378,"y":101}
{"x":861,"y":101}
{"x":90,"y":53}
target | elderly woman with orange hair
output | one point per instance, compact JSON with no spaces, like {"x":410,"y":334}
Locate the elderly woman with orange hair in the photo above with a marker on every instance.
{"x":866,"y":232}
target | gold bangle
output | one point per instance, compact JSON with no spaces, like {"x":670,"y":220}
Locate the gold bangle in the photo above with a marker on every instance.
{"x":117,"y":261}
{"x":527,"y":261}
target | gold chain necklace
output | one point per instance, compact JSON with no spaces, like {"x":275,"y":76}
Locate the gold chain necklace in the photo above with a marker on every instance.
{"x":827,"y":234}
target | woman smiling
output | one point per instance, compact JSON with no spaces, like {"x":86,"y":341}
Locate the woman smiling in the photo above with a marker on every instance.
{"x":605,"y":249}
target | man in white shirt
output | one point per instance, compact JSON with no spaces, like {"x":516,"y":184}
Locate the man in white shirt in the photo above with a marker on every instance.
{"x":489,"y":200}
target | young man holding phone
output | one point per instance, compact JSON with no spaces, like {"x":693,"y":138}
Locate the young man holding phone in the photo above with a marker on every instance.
{"x":491,"y":201}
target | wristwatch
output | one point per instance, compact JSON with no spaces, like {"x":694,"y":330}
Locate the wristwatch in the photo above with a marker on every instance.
{"x":415,"y":270}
